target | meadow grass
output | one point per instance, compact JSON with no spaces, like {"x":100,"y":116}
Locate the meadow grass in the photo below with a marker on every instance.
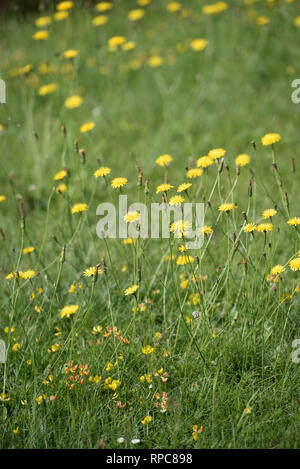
{"x":203,"y":348}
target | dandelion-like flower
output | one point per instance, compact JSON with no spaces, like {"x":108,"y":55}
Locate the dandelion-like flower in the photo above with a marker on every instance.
{"x":204,"y":161}
{"x":47,"y":89}
{"x":270,"y":139}
{"x":119,"y":182}
{"x":269,"y":213}
{"x":184,"y":186}
{"x":194,"y":173}
{"x":41,"y":35}
{"x":64,"y":6}
{"x":135,"y":15}
{"x":87,"y":127}
{"x":294,"y":221}
{"x":131,"y":217}
{"x":227,"y":207}
{"x":27,"y":274}
{"x":163,"y":188}
{"x":163,"y":160}
{"x":60,"y":175}
{"x":216,"y":153}
{"x":242,"y":160}
{"x":101,"y":172}
{"x":277,"y":269}
{"x":28,"y":250}
{"x":180,"y":228}
{"x":80,"y":207}
{"x":99,"y":20}
{"x":185,"y":259}
{"x":249,"y":227}
{"x":104,"y":6}
{"x":147,"y":349}
{"x":2,"y":198}
{"x":264,"y":227}
{"x":198,"y":44}
{"x":73,"y":102}
{"x":176,"y":200}
{"x":295,"y":264}
{"x":68,"y":311}
{"x":70,"y":53}
{"x":131,"y":290}
{"x":90,"y":271}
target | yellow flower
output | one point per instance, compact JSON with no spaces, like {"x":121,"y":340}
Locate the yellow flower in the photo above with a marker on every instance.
{"x":277,"y":269}
{"x":163,"y":160}
{"x":183,"y":260}
{"x":194,"y":173}
{"x":60,"y":15}
{"x":28,"y":274}
{"x":270,"y":139}
{"x":68,"y":310}
{"x":262,"y":20}
{"x":96,"y":330}
{"x":135,"y":15}
{"x":204,"y":162}
{"x":90,"y":271}
{"x":2,"y":198}
{"x":28,"y":250}
{"x":61,"y":188}
{"x":173,"y":7}
{"x":206,"y":229}
{"x":97,"y":379}
{"x":146,"y":420}
{"x":264,"y":227}
{"x":270,"y":212}
{"x":16,"y":431}
{"x":116,"y":41}
{"x":215,"y":8}
{"x":60,"y":175}
{"x":248,"y":410}
{"x":4,"y":397}
{"x":198,"y":44}
{"x":103,"y":171}
{"x":130,"y":45}
{"x":180,"y":228}
{"x":64,"y":6}
{"x":242,"y":160}
{"x":78,"y":208}
{"x":216,"y":153}
{"x":249,"y":227}
{"x":131,"y":290}
{"x":176,"y":200}
{"x":295,"y":264}
{"x":73,"y":102}
{"x":87,"y":126}
{"x":294,"y":221}
{"x":130,"y":217}
{"x":70,"y":53}
{"x":99,"y":20}
{"x":297,"y":21}
{"x":184,"y":186}
{"x":119,"y":182}
{"x":226,"y":207}
{"x":163,"y":188}
{"x":43,"y":21}
{"x":47,"y":89}
{"x":41,"y":35}
{"x":155,"y":61}
{"x":147,"y":349}
{"x":104,"y":6}
{"x":127,"y":241}
{"x":143,"y":3}
{"x":11,"y":275}
{"x":16,"y":347}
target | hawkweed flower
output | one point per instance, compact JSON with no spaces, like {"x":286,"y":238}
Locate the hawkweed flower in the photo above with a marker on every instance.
{"x":249,"y":227}
{"x":64,"y":6}
{"x":198,"y":44}
{"x":185,"y":259}
{"x":184,"y":186}
{"x":277,"y":269}
{"x":216,"y":153}
{"x":80,"y":207}
{"x":99,"y":20}
{"x":264,"y":227}
{"x":204,"y":161}
{"x":206,"y":229}
{"x":294,"y":221}
{"x":73,"y":102}
{"x":155,"y":61}
{"x":60,"y":15}
{"x":135,"y":15}
{"x":173,"y":7}
{"x":61,"y":188}
{"x":131,"y":290}
{"x":87,"y":127}
{"x":194,"y":173}
{"x":43,"y":21}
{"x":2,"y":198}
{"x":163,"y":160}
{"x":41,"y":35}
{"x":101,"y":172}
{"x":180,"y":228}
{"x":163,"y":188}
{"x":104,"y":6}
{"x":16,"y":347}
{"x":215,"y":8}
{"x":60,"y":175}
{"x":90,"y":271}
{"x":28,"y":250}
{"x":147,"y":349}
{"x":270,"y":139}
{"x":27,"y":274}
{"x":262,"y":20}
{"x":47,"y":89}
{"x":68,"y":311}
{"x":242,"y":160}
{"x":269,"y":213}
{"x":176,"y":200}
{"x":119,"y":182}
{"x":227,"y":207}
{"x":146,"y":420}
{"x":295,"y":264}
{"x":70,"y":53}
{"x":131,"y":217}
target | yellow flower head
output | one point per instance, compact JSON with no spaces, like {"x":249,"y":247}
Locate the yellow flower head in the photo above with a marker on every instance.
{"x":87,"y":127}
{"x":73,"y":102}
{"x":295,"y":264}
{"x":70,"y":53}
{"x":262,"y":20}
{"x":80,"y":207}
{"x":198,"y":44}
{"x":99,"y":20}
{"x":131,"y":217}
{"x":47,"y":89}
{"x":60,"y":175}
{"x":146,"y":420}
{"x":155,"y":61}
{"x":104,"y":6}
{"x":294,"y":221}
{"x":130,"y":45}
{"x":116,"y":41}
{"x":270,"y":212}
{"x":180,"y":228}
{"x":131,"y":290}
{"x":64,"y":6}
{"x":67,"y":311}
{"x":28,"y":250}
{"x":41,"y":35}
{"x":206,"y":229}
{"x":119,"y":182}
{"x":101,"y":172}
{"x":184,"y":186}
{"x":42,"y":21}
{"x":185,"y":259}
{"x":270,"y":139}
{"x":163,"y":188}
{"x":90,"y":271}
{"x":163,"y":160}
{"x":194,"y":173}
{"x":242,"y":160}
{"x":204,"y":162}
{"x":215,"y":8}
{"x":27,"y":274}
{"x":135,"y":15}
{"x":227,"y":207}
{"x":216,"y":153}
{"x":173,"y":7}
{"x":147,"y":349}
{"x":2,"y":198}
{"x":264,"y":227}
{"x":61,"y":188}
{"x":277,"y":269}
{"x":249,"y":227}
{"x":176,"y":200}
{"x":60,"y":15}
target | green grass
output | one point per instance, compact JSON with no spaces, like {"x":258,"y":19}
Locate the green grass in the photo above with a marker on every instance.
{"x":237,"y":354}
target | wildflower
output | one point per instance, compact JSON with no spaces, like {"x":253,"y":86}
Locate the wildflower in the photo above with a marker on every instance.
{"x":16,"y":431}
{"x":249,"y":227}
{"x":96,"y":330}
{"x":227,"y":207}
{"x":47,"y":89}
{"x":27,"y":274}
{"x":131,"y":290}
{"x":216,"y":153}
{"x":206,"y":229}
{"x":155,"y":61}
{"x":127,"y":241}
{"x":119,"y":182}
{"x":198,"y":44}
{"x":102,"y":171}
{"x":163,"y":160}
{"x":264,"y":227}
{"x":28,"y":250}
{"x":97,"y":379}
{"x":99,"y":20}
{"x":270,"y":139}
{"x":269,"y":213}
{"x":2,"y":198}
{"x":184,"y":186}
{"x":294,"y":221}
{"x":194,"y":173}
{"x":163,"y":188}
{"x":262,"y":20}
{"x":242,"y":159}
{"x":104,"y":6}
{"x":180,"y":228}
{"x":39,"y":400}
{"x":147,"y":349}
{"x":173,"y":7}
{"x":16,"y":347}
{"x":157,"y":335}
{"x":204,"y":161}
{"x":41,"y":35}
{"x":73,"y":102}
{"x":196,"y":432}
{"x":277,"y":269}
{"x":60,"y":175}
{"x":116,"y":41}
{"x":130,"y":217}
{"x":183,"y":260}
{"x":135,"y":441}
{"x":297,"y":21}
{"x":42,"y":21}
{"x":114,"y":384}
{"x":70,"y":53}
{"x":11,"y":275}
{"x":135,"y":15}
{"x":4,"y":397}
{"x":90,"y":271}
{"x":60,"y":15}
{"x":130,"y":45}
{"x":120,"y":440}
{"x":68,"y":310}
{"x":146,"y":420}
{"x":295,"y":264}
{"x":215,"y":8}
{"x":80,"y":207}
{"x":64,"y":6}
{"x":61,"y":188}
{"x":176,"y":200}
{"x":248,"y":410}
{"x":87,"y":127}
